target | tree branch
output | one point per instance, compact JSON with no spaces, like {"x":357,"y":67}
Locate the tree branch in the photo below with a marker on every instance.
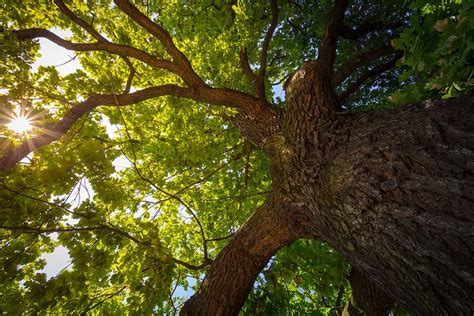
{"x":369,"y":74}
{"x":39,"y":230}
{"x":47,"y":94}
{"x":327,"y":51}
{"x":272,"y":226}
{"x":258,"y":80}
{"x":74,"y":18}
{"x":238,"y":196}
{"x":107,"y":297}
{"x":225,"y":97}
{"x":366,"y":27}
{"x":35,"y":198}
{"x":90,"y":29}
{"x":132,"y":73}
{"x":188,"y":74}
{"x":244,"y":63}
{"x":170,"y":296}
{"x":360,"y":58}
{"x":192,"y":266}
{"x":206,"y":260}
{"x":250,"y":107}
{"x":112,"y":48}
{"x":221,"y":238}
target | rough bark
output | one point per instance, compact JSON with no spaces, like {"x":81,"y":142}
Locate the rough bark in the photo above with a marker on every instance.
{"x":392,"y":190}
{"x":367,"y":299}
{"x":397,"y":199}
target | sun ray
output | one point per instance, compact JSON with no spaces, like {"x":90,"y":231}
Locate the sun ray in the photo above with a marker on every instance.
{"x":21,"y":121}
{"x":20,"y":124}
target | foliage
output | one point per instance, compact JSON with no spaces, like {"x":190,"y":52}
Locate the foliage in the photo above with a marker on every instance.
{"x":438,"y":51}
{"x":306,"y":271}
{"x":141,"y":196}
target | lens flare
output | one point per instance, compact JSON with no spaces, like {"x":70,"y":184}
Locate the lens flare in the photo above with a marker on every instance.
{"x":20,"y":124}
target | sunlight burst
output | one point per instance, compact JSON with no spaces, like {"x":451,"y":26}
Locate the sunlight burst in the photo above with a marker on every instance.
{"x":20,"y":124}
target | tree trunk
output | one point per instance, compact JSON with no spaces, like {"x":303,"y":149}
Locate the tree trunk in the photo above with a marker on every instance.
{"x":392,"y":190}
{"x":397,"y":199}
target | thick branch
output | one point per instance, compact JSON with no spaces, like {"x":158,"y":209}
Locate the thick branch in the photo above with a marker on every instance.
{"x":230,"y":279}
{"x":225,"y":97}
{"x":112,"y":48}
{"x":244,"y":63}
{"x":74,"y":18}
{"x":327,"y":51}
{"x":90,"y":29}
{"x":250,"y":108}
{"x":366,"y":27}
{"x":131,"y":75}
{"x":188,"y":74}
{"x":359,"y":59}
{"x":367,"y":75}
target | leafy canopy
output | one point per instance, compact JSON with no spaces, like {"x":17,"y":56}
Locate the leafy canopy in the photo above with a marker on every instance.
{"x":144,"y":197}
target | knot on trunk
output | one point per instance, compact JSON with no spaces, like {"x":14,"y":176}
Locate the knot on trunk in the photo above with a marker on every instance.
{"x":258,"y":125}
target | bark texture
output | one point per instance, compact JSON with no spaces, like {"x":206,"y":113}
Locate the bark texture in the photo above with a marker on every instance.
{"x":393,"y":190}
{"x":398,"y":198}
{"x":367,"y":299}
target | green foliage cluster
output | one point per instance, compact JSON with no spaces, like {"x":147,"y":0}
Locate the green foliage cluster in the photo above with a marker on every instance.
{"x":181,"y":160}
{"x":307,"y":278}
{"x":438,"y":51}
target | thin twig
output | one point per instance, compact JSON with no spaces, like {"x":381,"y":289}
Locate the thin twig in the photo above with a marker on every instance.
{"x":175,"y":310}
{"x":108,"y":296}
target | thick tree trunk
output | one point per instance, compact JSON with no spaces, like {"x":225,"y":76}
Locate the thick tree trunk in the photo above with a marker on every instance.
{"x":393,"y":190}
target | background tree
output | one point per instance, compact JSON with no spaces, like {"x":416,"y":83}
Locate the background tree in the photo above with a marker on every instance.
{"x":227,"y":181}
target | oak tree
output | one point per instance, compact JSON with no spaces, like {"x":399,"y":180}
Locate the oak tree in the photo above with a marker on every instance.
{"x":171,"y":162}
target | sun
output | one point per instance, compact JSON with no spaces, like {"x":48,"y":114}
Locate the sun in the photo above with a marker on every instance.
{"x":20,"y":124}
